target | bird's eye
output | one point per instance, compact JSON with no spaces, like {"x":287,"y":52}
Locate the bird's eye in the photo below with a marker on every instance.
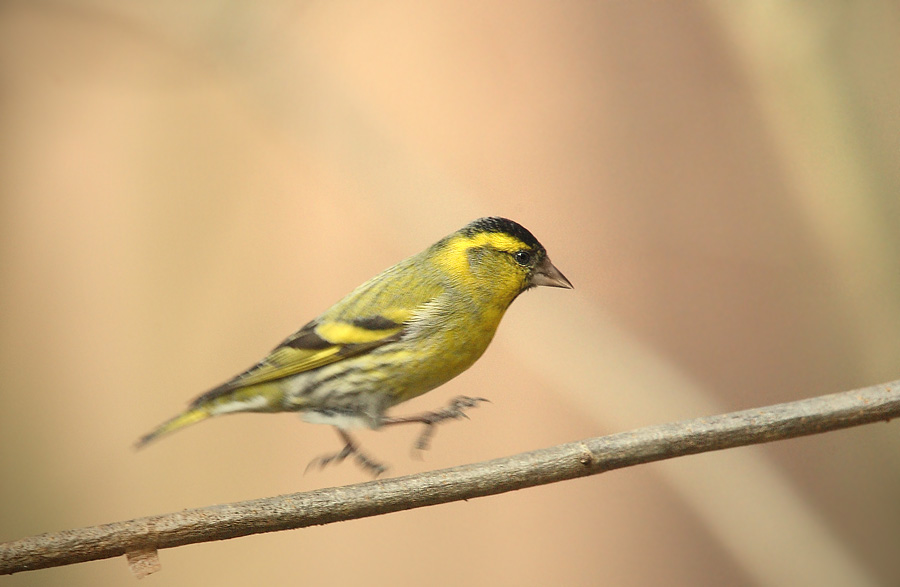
{"x":523,"y":257}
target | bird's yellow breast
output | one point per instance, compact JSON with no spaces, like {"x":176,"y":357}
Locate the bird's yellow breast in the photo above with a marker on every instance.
{"x":444,"y":353}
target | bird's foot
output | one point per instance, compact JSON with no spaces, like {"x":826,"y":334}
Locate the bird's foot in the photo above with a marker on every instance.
{"x":350,"y":448}
{"x":454,"y":411}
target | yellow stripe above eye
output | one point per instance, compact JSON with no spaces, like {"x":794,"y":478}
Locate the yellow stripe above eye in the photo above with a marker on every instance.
{"x":498,"y":240}
{"x":455,"y":258}
{"x":344,"y":333}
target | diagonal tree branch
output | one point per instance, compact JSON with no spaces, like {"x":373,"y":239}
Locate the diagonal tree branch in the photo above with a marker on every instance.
{"x":140,"y":538}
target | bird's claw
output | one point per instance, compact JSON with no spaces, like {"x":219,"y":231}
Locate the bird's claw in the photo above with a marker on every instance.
{"x":364,"y":461}
{"x":454,"y":411}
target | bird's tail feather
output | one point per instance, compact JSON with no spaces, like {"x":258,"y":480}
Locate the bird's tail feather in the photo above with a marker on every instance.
{"x":186,"y":418}
{"x":258,"y":398}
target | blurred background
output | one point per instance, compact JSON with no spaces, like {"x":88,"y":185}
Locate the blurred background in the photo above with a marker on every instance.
{"x":184,"y":184}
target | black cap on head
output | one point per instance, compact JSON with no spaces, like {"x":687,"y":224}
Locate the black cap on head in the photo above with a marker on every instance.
{"x":504,"y":225}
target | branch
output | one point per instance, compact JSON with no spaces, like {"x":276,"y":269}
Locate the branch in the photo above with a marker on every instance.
{"x":140,"y":538}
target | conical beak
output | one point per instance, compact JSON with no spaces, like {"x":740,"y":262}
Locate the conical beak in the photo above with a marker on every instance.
{"x":547,"y":274}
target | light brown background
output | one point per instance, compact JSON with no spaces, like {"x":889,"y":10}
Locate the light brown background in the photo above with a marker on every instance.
{"x":183,"y":184}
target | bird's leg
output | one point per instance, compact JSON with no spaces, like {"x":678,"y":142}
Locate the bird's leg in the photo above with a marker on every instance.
{"x":452,"y":412}
{"x":350,"y":448}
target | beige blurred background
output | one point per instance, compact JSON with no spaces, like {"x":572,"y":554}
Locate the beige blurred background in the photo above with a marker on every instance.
{"x":184,"y":184}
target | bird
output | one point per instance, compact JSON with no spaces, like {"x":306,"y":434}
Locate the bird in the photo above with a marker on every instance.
{"x":402,"y":333}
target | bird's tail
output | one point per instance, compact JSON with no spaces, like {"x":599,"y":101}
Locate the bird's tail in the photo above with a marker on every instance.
{"x":186,"y":418}
{"x":258,"y":398}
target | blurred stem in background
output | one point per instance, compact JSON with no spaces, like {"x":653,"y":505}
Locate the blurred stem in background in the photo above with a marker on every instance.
{"x":821,"y":87}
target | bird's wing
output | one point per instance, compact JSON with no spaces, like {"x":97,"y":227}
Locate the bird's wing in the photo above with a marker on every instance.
{"x":318,"y":344}
{"x":308,"y":349}
{"x":368,"y":318}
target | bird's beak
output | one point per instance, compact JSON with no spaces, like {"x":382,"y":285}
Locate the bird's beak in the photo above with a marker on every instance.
{"x":547,"y":274}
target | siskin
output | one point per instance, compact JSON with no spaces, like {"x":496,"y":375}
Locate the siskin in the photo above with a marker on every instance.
{"x":401,"y":334}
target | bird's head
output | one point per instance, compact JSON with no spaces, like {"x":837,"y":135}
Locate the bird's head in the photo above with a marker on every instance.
{"x":498,"y":257}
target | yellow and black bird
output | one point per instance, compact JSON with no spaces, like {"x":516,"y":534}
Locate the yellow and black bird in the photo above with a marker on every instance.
{"x":402,"y":333}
